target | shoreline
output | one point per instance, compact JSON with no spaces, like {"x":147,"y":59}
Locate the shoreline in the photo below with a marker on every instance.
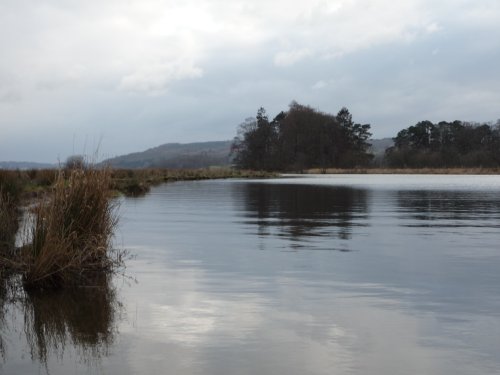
{"x":412,"y":171}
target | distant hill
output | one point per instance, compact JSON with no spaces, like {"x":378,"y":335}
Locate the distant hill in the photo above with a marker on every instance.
{"x":24,"y":165}
{"x":378,"y":149}
{"x":177,"y":155}
{"x":380,"y":145}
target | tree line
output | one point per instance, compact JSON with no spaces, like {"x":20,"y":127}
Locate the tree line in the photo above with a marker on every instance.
{"x":303,"y":137}
{"x":446,"y":144}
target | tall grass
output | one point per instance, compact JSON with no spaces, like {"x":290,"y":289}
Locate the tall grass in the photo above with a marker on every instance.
{"x":8,"y":223}
{"x":71,"y":231}
{"x":10,"y":191}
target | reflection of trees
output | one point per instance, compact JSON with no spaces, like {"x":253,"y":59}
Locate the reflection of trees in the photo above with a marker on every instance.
{"x":438,"y":208}
{"x":298,"y":211}
{"x":83,"y":317}
{"x":4,"y":287}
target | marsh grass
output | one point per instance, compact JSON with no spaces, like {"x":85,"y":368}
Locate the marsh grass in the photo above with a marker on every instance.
{"x":10,"y":191}
{"x":8,"y":222}
{"x":70,"y":234}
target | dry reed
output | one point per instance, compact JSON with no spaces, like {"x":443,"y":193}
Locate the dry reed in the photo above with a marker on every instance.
{"x":9,"y":212}
{"x":70,"y":235}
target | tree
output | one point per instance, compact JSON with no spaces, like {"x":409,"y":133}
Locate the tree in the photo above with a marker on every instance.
{"x":255,"y":144}
{"x":447,"y":144}
{"x":354,"y":145}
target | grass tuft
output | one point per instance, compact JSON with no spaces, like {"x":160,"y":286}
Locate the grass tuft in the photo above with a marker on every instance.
{"x":70,"y":235}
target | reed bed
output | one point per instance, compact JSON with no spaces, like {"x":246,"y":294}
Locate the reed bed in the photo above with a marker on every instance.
{"x":8,"y":223}
{"x":69,"y":234}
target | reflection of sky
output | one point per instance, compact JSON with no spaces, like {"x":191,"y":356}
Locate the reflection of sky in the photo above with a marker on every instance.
{"x":219,"y":298}
{"x":189,"y":320}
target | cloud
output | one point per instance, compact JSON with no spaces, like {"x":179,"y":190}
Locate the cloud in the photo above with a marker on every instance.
{"x":155,"y":78}
{"x":288,"y":58}
{"x":319,"y":85}
{"x":9,"y":96}
{"x":432,"y":28}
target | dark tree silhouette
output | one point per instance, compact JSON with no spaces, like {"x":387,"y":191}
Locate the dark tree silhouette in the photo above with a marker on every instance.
{"x":446,"y":144}
{"x":301,"y":138}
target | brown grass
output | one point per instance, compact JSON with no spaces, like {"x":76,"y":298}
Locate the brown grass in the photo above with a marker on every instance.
{"x":8,"y":223}
{"x":71,"y":232}
{"x":10,"y":190}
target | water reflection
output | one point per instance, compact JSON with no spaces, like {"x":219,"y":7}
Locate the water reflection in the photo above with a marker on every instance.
{"x":449,"y":208}
{"x":301,"y":211}
{"x":84,"y":319}
{"x":415,"y":296}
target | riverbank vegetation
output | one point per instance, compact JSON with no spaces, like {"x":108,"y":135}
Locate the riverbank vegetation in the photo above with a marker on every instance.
{"x":133,"y":182}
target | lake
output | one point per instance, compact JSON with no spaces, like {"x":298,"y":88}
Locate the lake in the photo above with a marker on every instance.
{"x":342,"y":274}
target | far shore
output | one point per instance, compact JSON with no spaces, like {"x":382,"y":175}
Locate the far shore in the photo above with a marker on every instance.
{"x":450,"y":171}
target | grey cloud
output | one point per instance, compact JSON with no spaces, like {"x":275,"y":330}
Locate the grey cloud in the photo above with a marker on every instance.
{"x":146,"y":72}
{"x":10,"y":96}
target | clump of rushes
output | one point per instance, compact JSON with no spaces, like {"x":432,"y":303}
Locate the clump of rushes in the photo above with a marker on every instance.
{"x":71,"y":233}
{"x":8,"y":222}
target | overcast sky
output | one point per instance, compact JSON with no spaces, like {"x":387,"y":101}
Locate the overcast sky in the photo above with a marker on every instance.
{"x":129,"y":75}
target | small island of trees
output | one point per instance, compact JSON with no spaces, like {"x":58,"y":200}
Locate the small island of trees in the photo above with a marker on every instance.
{"x":301,"y":138}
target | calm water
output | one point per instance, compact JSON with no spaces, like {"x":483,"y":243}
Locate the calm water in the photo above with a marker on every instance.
{"x":313,"y":275}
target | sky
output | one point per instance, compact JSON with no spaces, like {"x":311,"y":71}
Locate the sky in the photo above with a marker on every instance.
{"x":116,"y":76}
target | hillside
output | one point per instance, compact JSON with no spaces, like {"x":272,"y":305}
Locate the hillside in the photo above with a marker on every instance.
{"x":177,"y":155}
